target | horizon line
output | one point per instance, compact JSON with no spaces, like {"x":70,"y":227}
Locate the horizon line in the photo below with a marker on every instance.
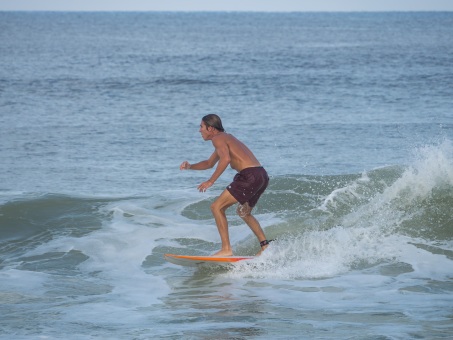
{"x":228,"y":11}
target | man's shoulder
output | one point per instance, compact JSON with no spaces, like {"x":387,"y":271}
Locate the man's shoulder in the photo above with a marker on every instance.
{"x":222,"y":137}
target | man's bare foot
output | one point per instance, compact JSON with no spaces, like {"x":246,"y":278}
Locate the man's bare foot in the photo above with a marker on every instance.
{"x":222,"y":253}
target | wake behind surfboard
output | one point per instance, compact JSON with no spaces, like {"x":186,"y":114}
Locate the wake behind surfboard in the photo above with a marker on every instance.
{"x":194,"y":261}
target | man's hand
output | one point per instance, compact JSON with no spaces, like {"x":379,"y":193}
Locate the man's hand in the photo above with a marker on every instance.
{"x":204,"y":186}
{"x":184,"y":166}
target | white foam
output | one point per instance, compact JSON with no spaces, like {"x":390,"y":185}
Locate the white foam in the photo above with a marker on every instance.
{"x":432,"y":167}
{"x":367,"y":236}
{"x":349,"y":190}
{"x":22,"y":281}
{"x":316,"y":254}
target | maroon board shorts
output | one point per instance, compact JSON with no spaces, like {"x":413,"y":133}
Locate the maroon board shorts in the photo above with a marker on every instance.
{"x":248,"y":185}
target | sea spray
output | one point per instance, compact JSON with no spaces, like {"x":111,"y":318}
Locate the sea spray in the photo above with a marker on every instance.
{"x":371,"y":222}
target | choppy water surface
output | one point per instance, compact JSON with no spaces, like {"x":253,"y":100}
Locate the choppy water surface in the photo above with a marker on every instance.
{"x":349,"y":113}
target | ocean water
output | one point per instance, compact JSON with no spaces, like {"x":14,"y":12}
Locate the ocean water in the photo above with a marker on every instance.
{"x":350,"y":113}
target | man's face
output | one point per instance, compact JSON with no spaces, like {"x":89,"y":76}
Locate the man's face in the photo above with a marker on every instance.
{"x":205,"y":131}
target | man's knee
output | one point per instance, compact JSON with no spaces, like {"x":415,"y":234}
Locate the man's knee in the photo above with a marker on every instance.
{"x":223,"y":202}
{"x":215,"y":206}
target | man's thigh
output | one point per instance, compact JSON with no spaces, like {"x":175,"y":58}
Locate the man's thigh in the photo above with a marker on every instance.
{"x":225,"y":200}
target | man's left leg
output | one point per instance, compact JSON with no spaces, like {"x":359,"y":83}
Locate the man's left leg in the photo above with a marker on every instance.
{"x":245,"y":212}
{"x":218,"y":208}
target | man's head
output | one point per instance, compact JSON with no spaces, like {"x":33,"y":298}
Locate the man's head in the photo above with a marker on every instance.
{"x":212,"y":120}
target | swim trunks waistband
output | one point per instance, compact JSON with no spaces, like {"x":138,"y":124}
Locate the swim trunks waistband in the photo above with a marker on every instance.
{"x":251,"y":168}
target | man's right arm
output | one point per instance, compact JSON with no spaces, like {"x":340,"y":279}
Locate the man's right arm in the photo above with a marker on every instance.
{"x":203,"y":165}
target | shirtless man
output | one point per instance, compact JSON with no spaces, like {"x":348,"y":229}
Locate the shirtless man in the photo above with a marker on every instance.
{"x":246,"y":188}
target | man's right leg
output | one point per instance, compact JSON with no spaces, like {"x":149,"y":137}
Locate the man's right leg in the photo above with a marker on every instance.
{"x":218,"y":208}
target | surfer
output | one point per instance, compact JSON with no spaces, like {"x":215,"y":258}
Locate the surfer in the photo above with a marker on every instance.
{"x":246,"y":188}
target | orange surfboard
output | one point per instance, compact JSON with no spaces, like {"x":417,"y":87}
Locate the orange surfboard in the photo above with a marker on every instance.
{"x":194,"y":261}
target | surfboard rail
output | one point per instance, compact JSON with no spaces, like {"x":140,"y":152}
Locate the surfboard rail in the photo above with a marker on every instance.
{"x":195,"y":260}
